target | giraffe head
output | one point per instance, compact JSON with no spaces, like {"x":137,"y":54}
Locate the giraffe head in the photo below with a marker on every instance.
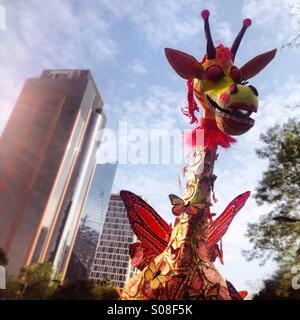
{"x":219,"y":85}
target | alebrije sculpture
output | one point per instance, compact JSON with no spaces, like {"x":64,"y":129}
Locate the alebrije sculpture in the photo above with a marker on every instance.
{"x":177,"y":262}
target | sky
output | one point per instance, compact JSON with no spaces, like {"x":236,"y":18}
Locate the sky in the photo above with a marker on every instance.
{"x":122,"y":43}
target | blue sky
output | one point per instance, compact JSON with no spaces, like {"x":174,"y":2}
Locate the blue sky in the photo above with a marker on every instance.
{"x":122,"y":43}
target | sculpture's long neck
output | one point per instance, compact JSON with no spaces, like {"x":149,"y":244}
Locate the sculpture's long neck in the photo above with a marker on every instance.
{"x":200,"y":177}
{"x":191,"y":231}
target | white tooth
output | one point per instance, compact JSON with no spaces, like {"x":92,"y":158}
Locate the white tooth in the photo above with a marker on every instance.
{"x":243,"y":111}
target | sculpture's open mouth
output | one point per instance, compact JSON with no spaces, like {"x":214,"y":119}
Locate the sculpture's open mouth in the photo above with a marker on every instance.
{"x":239,"y":113}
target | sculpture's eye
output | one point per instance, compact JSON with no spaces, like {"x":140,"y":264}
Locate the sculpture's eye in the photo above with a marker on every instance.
{"x":214,"y":73}
{"x":236,"y":74}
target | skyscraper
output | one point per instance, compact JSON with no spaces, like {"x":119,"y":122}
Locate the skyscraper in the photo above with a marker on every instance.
{"x":47,"y":155}
{"x":112,"y":258}
{"x":92,"y":221}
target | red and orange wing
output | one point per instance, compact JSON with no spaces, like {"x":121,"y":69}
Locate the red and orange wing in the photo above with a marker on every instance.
{"x":235,"y":295}
{"x":178,"y":209}
{"x":150,"y":228}
{"x":243,"y":294}
{"x":191,"y":210}
{"x":219,"y":227}
{"x":178,"y":205}
{"x":141,"y":255}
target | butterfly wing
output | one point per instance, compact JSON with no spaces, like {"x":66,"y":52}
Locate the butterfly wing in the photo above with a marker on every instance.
{"x":216,"y":252}
{"x":219,"y":227}
{"x":191,"y":210}
{"x":175,"y":199}
{"x":178,"y":209}
{"x":178,"y":205}
{"x":151,"y":229}
{"x":141,"y":255}
{"x":235,"y":295}
{"x":243,"y":294}
{"x":213,"y":292}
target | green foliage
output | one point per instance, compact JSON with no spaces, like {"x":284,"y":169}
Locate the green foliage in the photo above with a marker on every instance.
{"x":280,"y":188}
{"x":12,"y":291}
{"x":3,"y":258}
{"x":280,"y":183}
{"x":34,"y":283}
{"x":105,"y":293}
{"x":85,"y":290}
{"x":279,"y":287}
{"x":79,"y":290}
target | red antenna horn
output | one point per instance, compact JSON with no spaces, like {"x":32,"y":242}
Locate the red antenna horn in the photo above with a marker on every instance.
{"x":239,"y":37}
{"x":210,"y":48}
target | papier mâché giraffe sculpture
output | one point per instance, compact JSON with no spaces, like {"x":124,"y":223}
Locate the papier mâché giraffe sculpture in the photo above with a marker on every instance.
{"x":177,"y":263}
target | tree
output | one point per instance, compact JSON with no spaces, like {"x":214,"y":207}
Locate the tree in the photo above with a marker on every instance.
{"x":78,"y":290}
{"x":280,"y":188}
{"x":105,"y":293}
{"x":36,"y":282}
{"x":12,"y":291}
{"x":279,"y":286}
{"x":33,"y":283}
{"x":105,"y":290}
{"x":276,"y":234}
{"x":85,"y":290}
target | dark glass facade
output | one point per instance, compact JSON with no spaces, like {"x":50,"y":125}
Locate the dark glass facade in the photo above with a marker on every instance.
{"x":57,"y":118}
{"x":92,"y":221}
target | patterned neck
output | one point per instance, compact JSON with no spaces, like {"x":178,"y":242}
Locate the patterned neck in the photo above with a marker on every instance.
{"x":200,"y":178}
{"x":189,"y":239}
{"x":190,"y":233}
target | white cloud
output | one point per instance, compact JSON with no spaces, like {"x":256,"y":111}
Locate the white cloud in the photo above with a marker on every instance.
{"x":150,"y":118}
{"x":264,"y":11}
{"x":276,"y":15}
{"x":163,"y":22}
{"x":138,"y":67}
{"x":224,"y":33}
{"x":154,"y":185}
{"x":159,"y":109}
{"x":55,"y":34}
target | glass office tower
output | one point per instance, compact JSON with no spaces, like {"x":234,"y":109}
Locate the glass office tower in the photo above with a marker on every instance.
{"x":92,"y":221}
{"x":47,"y":156}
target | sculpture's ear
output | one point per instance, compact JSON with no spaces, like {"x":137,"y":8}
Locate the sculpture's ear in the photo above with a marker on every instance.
{"x":255,"y":65}
{"x":184,"y":64}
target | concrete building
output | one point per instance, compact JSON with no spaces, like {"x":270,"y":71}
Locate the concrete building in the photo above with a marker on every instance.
{"x":112,"y":258}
